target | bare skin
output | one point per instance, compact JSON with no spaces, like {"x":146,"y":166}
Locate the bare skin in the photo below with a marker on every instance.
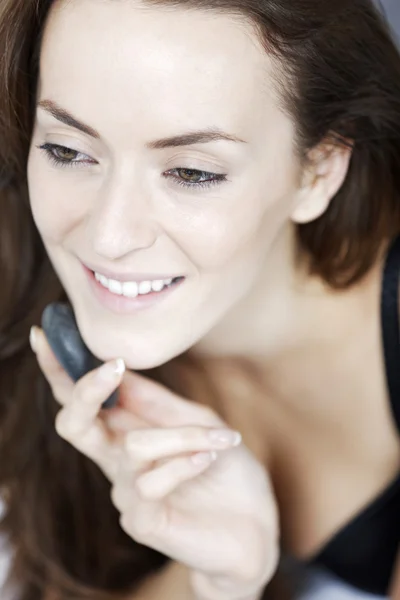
{"x":330,"y":448}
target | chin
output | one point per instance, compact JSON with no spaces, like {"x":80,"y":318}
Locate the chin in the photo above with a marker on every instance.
{"x":142,"y":355}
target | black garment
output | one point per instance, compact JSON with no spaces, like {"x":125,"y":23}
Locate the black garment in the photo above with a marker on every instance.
{"x":364,"y":552}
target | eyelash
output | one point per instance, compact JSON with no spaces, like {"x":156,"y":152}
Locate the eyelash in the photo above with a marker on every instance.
{"x":48,"y":149}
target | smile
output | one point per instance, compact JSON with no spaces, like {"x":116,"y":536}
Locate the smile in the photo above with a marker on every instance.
{"x":127,"y":297}
{"x":132,"y":289}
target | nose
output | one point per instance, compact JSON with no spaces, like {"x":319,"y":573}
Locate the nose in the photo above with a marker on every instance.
{"x":121,"y":222}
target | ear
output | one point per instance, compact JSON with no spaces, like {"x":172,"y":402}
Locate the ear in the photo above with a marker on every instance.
{"x":327,"y":167}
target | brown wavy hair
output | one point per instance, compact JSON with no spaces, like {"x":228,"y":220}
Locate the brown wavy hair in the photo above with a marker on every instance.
{"x":340,"y":79}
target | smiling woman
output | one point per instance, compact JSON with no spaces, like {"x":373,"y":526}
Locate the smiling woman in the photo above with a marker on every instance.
{"x":213,"y":188}
{"x":145,"y":175}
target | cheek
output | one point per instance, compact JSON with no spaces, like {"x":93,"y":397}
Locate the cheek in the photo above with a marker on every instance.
{"x":52,"y":206}
{"x":239,"y":228}
{"x":207,"y":237}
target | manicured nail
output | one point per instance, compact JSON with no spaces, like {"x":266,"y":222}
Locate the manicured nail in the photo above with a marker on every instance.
{"x":203,"y":458}
{"x":112,"y":370}
{"x":33,"y":338}
{"x":225,"y":437}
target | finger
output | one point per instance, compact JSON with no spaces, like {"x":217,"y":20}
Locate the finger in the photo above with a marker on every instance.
{"x":88,"y":396}
{"x":163,"y":480}
{"x":96,"y":444}
{"x":162,"y":407}
{"x":147,"y":445}
{"x":60,"y":382}
{"x":78,"y":421}
{"x":122,"y":421}
{"x":144,"y":521}
{"x":124,"y":494}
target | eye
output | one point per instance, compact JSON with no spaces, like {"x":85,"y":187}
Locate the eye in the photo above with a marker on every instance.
{"x":64,"y":156}
{"x":194,"y":178}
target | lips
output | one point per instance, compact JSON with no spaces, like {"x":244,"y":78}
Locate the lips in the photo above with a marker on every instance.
{"x":119,"y":303}
{"x":137,"y":277}
{"x":132,"y":289}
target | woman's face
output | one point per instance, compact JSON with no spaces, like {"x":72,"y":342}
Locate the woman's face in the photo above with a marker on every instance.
{"x":141,"y":195}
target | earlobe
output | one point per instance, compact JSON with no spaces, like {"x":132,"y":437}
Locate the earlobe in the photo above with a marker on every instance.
{"x":311,"y":204}
{"x":325,"y":175}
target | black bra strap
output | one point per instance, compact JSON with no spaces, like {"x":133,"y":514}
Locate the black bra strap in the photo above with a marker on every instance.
{"x":390,"y":326}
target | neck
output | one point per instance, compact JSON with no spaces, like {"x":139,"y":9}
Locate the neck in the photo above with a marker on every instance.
{"x":288,"y":314}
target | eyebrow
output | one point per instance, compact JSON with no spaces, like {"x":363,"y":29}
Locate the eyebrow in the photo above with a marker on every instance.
{"x":65,"y":117}
{"x":211,"y":134}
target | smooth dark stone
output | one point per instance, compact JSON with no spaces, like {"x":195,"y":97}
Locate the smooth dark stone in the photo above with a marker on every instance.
{"x":59,"y":325}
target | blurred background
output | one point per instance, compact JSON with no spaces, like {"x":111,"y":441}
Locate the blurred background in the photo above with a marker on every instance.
{"x":392,"y":10}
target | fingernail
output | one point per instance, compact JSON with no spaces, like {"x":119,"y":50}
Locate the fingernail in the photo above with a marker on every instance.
{"x":33,"y":338}
{"x":225,"y":437}
{"x":111,"y":370}
{"x":202,"y":458}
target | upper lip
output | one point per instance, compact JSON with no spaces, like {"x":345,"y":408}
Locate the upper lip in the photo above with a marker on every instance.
{"x":128,"y":276}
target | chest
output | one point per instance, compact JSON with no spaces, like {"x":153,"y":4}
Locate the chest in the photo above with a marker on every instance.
{"x":326,"y":465}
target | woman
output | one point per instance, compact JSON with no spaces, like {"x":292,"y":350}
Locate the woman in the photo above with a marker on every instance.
{"x":214,"y":188}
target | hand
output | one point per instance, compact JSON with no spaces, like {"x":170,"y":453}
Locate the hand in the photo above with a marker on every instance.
{"x":203,"y":501}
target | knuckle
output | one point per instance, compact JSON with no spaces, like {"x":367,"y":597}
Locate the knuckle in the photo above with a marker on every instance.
{"x":114,"y":496}
{"x":143,"y":488}
{"x":118,"y":497}
{"x":62,"y":424}
{"x":136,"y":526}
{"x":259,"y":556}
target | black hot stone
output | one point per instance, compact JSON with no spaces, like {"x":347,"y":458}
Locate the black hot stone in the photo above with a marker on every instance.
{"x":59,"y":325}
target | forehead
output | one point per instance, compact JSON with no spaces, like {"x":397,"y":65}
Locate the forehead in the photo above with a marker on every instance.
{"x":176,"y":64}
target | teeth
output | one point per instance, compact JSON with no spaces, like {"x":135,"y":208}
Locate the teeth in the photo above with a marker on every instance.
{"x":131,"y":289}
{"x":115,"y":287}
{"x":144,"y":287}
{"x":157,"y":286}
